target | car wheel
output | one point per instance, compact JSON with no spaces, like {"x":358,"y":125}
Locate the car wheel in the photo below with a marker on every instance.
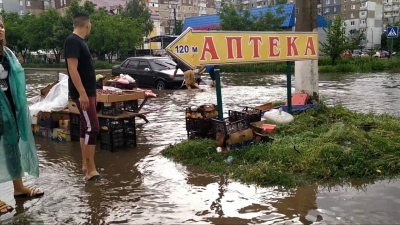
{"x":160,"y":85}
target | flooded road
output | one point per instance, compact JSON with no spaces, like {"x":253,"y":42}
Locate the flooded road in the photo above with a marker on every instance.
{"x":146,"y":188}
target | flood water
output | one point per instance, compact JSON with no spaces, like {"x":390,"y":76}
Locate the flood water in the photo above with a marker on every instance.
{"x":146,"y":188}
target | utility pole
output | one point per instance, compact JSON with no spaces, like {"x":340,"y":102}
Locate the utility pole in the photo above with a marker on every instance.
{"x":306,"y":72}
{"x":175,"y":20}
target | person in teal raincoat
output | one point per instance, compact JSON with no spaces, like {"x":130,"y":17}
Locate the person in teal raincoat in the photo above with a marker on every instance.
{"x":18,"y":153}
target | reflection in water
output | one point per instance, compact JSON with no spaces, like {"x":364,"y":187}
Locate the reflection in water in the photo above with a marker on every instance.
{"x":146,"y":188}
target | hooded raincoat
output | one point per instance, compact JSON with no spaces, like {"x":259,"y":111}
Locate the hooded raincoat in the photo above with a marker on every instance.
{"x":17,"y":146}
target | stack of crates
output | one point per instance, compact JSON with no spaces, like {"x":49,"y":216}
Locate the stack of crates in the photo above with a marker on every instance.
{"x":117,"y":108}
{"x":199,"y":122}
{"x":117,"y":133}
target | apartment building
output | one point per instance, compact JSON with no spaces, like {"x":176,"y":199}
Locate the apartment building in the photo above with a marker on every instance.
{"x":367,"y":15}
{"x":171,"y":10}
{"x":391,"y":9}
{"x":13,"y":6}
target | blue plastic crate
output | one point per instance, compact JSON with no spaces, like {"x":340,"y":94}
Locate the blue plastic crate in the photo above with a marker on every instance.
{"x":296,"y":109}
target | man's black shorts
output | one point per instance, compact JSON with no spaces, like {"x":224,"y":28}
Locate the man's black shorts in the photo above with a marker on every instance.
{"x":212,"y":74}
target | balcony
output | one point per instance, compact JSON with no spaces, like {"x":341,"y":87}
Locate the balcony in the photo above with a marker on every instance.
{"x":202,"y":12}
{"x":388,"y":9}
{"x":260,"y":0}
{"x":363,"y":6}
{"x":396,"y":13}
{"x":363,"y":16}
{"x":387,"y":15}
{"x":396,"y":2}
{"x":363,"y":25}
{"x":396,"y":8}
{"x":363,"y":0}
{"x":388,"y":3}
{"x":319,"y":6}
{"x":203,"y":5}
{"x":246,"y":2}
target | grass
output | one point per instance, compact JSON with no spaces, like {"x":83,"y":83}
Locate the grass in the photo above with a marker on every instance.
{"x":344,"y":65}
{"x":332,"y":148}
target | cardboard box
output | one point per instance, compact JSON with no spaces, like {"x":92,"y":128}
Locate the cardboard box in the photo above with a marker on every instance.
{"x":129,"y":95}
{"x":34,"y":120}
{"x":63,"y":124}
{"x":61,"y":135}
{"x":47,"y":89}
{"x":51,"y":119}
{"x":35,"y":129}
{"x":44,"y":132}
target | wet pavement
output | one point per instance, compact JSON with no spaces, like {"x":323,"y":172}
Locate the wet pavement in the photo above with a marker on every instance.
{"x":146,"y":188}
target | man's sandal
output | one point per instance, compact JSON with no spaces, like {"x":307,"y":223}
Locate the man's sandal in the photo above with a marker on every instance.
{"x":4,"y":208}
{"x":32,"y":193}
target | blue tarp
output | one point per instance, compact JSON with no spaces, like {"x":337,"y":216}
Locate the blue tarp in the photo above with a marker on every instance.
{"x":212,"y":21}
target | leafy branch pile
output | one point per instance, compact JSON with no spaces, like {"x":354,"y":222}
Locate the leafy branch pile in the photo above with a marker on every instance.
{"x":110,"y":34}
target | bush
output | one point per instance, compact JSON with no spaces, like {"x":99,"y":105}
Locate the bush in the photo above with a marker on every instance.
{"x":344,"y":65}
{"x":98,"y":65}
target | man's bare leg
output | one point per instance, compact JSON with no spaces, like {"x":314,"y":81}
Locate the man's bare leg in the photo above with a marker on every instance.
{"x":84,"y":165}
{"x":89,"y":158}
{"x":197,"y":86}
{"x":188,"y":87}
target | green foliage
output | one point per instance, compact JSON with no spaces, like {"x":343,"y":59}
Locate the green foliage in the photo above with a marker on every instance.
{"x":343,"y":65}
{"x":333,"y":142}
{"x":356,"y":37}
{"x":110,"y":35}
{"x":99,"y":65}
{"x":336,"y":41}
{"x":179,"y":27}
{"x":48,"y":31}
{"x":138,"y":11}
{"x":241,"y":19}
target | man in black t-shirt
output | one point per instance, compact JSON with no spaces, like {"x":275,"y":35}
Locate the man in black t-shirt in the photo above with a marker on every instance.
{"x":188,"y":75}
{"x":82,"y":90}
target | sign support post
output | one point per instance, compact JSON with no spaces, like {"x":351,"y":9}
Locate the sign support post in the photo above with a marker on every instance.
{"x":289,"y":85}
{"x":219,"y":92}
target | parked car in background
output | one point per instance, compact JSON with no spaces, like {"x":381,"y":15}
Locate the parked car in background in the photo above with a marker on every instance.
{"x":152,"y":72}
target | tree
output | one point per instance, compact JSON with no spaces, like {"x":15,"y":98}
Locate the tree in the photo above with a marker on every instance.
{"x":138,"y":10}
{"x":336,"y":40}
{"x":356,"y":38}
{"x":16,"y":35}
{"x":44,"y":33}
{"x":384,"y":41}
{"x":241,"y":19}
{"x":179,"y":27}
{"x":110,"y":35}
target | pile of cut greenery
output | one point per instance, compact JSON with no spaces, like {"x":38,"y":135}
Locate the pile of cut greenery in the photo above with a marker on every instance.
{"x":332,"y":143}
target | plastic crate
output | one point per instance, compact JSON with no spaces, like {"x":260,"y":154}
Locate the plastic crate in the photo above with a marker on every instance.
{"x":131,"y":106}
{"x":201,"y":112}
{"x":112,"y":109}
{"x":229,"y":126}
{"x":130,"y":138}
{"x":253,"y":113}
{"x":199,"y":125}
{"x":117,"y":134}
{"x":196,"y":135}
{"x":75,"y":131}
{"x":112,"y":137}
{"x":74,"y":119}
{"x":99,"y":84}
